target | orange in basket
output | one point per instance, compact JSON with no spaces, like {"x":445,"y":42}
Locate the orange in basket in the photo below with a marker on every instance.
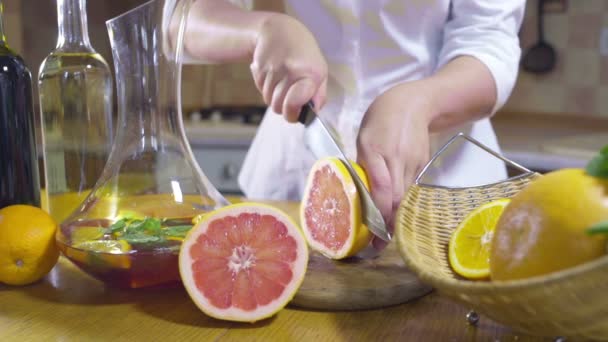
{"x":544,"y":229}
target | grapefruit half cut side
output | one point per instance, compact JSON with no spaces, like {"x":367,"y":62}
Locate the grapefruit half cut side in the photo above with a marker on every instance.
{"x":243,"y":262}
{"x":330,"y":212}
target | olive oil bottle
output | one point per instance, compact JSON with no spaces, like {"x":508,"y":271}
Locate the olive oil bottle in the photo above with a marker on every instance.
{"x":75,"y":89}
{"x":19,"y":175}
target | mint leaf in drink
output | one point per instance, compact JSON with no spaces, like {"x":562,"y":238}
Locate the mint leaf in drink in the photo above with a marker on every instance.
{"x":151,"y":225}
{"x":140,"y":238}
{"x":147,"y":231}
{"x":598,"y":166}
{"x":136,"y":226}
{"x":598,"y":228}
{"x":118,"y":226}
{"x":177,"y":231}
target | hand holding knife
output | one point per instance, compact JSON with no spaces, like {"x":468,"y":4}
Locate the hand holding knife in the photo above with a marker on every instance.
{"x":371,"y":214}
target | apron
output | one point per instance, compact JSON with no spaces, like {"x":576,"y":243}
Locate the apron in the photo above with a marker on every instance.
{"x":371,"y":46}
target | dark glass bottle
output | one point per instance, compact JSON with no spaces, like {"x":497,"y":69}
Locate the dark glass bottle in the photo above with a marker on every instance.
{"x":19,"y":176}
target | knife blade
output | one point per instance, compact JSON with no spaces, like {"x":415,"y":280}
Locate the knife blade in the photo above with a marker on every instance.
{"x":371,"y":214}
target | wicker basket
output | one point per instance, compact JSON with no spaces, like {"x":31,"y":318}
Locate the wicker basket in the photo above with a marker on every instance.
{"x":571,"y":303}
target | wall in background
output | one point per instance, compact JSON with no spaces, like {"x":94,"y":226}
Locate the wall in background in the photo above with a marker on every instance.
{"x":13,"y":27}
{"x":579,"y":83}
{"x":224,"y":85}
{"x":32,"y":30}
{"x":577,"y":86}
{"x":40,"y":30}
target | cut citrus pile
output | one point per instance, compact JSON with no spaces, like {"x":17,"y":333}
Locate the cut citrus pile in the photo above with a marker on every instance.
{"x":470,"y":244}
{"x":330,"y":211}
{"x":27,"y":244}
{"x":243,"y":262}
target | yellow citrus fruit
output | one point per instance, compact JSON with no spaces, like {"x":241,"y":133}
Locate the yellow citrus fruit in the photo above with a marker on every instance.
{"x":544,"y":227}
{"x":330,"y":211}
{"x":469,"y":246}
{"x":27,"y":244}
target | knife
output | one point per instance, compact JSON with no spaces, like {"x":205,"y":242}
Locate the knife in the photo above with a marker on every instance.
{"x":371,"y":214}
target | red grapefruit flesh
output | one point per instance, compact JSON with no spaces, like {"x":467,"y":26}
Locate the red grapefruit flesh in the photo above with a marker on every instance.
{"x":327,"y":214}
{"x":330,"y":211}
{"x":243,"y":262}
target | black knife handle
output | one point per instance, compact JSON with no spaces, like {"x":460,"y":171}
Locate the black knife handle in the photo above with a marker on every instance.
{"x":307,"y":113}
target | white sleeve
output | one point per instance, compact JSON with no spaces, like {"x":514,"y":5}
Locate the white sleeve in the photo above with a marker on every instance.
{"x":488,"y":31}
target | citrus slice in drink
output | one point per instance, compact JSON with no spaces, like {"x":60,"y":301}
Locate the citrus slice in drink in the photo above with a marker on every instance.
{"x":106,"y":253}
{"x":469,"y":246}
{"x":330,"y":211}
{"x":198,"y":218}
{"x":83,"y":234}
{"x":243,"y":262}
{"x":105,"y":246}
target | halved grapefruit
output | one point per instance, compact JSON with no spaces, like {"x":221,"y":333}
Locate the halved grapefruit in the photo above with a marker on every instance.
{"x":243,"y":262}
{"x":330,"y":212}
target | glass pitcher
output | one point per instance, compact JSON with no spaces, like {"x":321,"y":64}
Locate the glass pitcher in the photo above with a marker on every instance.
{"x":128,"y":231}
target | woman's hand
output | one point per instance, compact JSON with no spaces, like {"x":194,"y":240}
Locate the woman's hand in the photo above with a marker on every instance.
{"x":393,"y":144}
{"x":286,"y":63}
{"x":288,"y":67}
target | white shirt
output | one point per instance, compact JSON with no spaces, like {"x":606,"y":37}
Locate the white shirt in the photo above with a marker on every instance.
{"x":372,"y":45}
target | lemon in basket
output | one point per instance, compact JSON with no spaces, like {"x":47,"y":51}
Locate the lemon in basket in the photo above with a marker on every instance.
{"x":469,"y":246}
{"x":544,"y":228}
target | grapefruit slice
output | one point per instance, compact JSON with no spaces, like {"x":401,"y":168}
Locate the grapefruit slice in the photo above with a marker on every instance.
{"x":330,"y":211}
{"x":243,"y":262}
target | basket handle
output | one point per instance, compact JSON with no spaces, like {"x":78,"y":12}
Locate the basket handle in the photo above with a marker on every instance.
{"x":474,"y":141}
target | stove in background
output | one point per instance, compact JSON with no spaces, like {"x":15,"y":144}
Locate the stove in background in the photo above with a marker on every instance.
{"x":220,"y":138}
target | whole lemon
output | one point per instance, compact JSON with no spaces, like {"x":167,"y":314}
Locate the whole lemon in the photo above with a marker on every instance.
{"x":543,"y":229}
{"x":27,"y":244}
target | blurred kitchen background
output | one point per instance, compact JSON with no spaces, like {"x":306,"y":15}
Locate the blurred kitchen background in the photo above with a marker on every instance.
{"x":552,"y":120}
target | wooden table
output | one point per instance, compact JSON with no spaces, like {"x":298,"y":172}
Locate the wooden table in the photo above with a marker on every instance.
{"x":68,"y":305}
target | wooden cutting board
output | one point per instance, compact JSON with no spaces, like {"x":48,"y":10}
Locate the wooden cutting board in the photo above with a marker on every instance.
{"x":356,"y":283}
